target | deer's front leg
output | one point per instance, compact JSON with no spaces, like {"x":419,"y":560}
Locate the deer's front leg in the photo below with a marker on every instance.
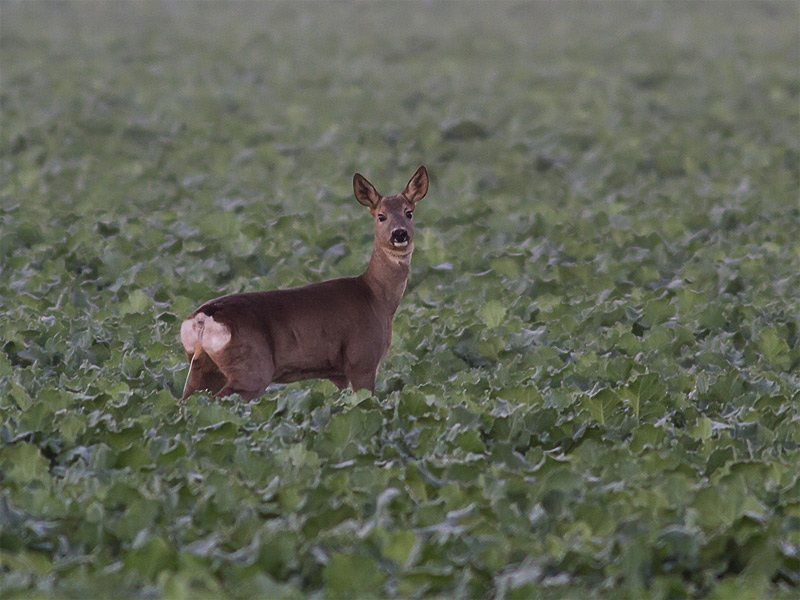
{"x":363,"y":380}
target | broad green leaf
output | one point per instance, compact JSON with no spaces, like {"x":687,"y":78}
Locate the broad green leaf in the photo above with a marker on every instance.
{"x":658,"y":311}
{"x":21,"y":397}
{"x":702,"y":429}
{"x":471,"y":442}
{"x":136,"y":302}
{"x":22,"y":463}
{"x":643,"y":392}
{"x":398,"y":545}
{"x":774,"y":349}
{"x":26,"y":562}
{"x":492,"y":313}
{"x":148,"y":559}
{"x":506,"y":266}
{"x":601,"y":404}
{"x":526,"y":394}
{"x":351,"y":576}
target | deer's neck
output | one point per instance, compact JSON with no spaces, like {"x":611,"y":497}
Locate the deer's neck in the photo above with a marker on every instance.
{"x":386,"y":276}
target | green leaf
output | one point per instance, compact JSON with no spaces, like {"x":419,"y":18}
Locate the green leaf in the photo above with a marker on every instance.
{"x":492,"y":313}
{"x":658,"y":311}
{"x":774,"y":349}
{"x":398,"y":545}
{"x":34,"y":563}
{"x":148,"y":559}
{"x":140,"y":515}
{"x":352,"y":576}
{"x":343,"y":428}
{"x":522,"y":394}
{"x":646,"y":436}
{"x":71,"y":426}
{"x":506,"y":266}
{"x":702,"y":429}
{"x":134,"y":457}
{"x":23,"y":464}
{"x":471,"y":442}
{"x":632,"y":399}
{"x":137,"y":302}
{"x":642,"y":392}
{"x":601,"y":404}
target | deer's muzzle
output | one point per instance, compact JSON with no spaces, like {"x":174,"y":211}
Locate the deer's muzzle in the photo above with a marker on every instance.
{"x":400,"y":237}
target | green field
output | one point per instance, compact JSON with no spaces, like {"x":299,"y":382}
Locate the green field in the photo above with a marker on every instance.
{"x":593,"y":388}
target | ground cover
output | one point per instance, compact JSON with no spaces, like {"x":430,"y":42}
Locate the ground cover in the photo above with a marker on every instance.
{"x":593,"y":384}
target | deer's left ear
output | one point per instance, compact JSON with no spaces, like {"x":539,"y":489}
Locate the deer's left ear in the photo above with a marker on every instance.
{"x":417,"y":187}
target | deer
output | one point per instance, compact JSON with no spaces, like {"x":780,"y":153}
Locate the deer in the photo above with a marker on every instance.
{"x":338,"y":329}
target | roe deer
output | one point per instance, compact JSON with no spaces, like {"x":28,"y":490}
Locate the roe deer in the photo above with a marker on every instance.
{"x":338,"y":330}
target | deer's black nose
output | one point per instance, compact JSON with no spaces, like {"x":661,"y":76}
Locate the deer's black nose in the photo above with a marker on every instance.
{"x":399,"y":236}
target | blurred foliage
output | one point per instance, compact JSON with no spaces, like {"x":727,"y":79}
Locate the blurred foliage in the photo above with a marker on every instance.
{"x":593,"y":385}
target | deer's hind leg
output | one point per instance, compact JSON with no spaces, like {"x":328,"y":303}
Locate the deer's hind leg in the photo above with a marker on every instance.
{"x":340,"y":381}
{"x":203,"y":375}
{"x":247,"y":370}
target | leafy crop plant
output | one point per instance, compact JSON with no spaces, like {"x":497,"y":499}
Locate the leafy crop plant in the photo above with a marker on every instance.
{"x":592,"y":390}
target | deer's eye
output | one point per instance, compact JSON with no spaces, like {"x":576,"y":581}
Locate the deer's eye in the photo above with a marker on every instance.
{"x":409,"y":214}
{"x":381,"y":218}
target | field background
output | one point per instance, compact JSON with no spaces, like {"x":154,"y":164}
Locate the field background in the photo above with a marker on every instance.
{"x":593,"y":384}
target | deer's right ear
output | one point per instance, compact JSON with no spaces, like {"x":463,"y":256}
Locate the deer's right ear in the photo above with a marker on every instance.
{"x":365,"y":192}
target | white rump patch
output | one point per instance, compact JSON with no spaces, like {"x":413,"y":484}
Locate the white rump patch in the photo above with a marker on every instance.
{"x":204,"y":331}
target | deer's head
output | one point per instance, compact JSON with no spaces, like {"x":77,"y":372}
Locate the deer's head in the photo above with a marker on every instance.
{"x":393,"y":215}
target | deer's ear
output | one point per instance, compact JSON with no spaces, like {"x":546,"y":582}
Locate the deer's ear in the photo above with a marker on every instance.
{"x":365,"y":192}
{"x":417,"y":187}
